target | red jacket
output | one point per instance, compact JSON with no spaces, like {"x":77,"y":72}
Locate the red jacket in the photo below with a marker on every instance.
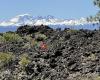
{"x":43,"y":45}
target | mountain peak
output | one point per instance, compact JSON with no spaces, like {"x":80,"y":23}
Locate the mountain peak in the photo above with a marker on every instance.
{"x":22,"y":15}
{"x":27,"y":19}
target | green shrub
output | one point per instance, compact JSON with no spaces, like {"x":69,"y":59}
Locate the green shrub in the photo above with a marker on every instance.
{"x":6,"y":57}
{"x":72,"y":31}
{"x":40,"y":37}
{"x":28,"y":38}
{"x":2,"y":39}
{"x":24,"y":60}
{"x":92,"y":57}
{"x":97,"y":78}
{"x":11,"y":37}
{"x":35,"y":43}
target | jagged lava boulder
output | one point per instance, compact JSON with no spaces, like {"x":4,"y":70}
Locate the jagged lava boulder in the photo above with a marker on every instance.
{"x":25,"y":30}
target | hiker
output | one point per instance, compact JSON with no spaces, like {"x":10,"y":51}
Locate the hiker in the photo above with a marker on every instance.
{"x":43,"y":46}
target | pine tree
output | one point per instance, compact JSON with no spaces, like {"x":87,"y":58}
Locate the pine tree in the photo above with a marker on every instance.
{"x":97,"y":3}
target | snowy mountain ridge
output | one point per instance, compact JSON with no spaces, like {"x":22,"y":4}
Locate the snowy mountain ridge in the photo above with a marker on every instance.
{"x":27,"y":19}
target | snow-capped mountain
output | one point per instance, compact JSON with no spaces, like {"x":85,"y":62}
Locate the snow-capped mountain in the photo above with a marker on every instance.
{"x":27,"y":19}
{"x":51,"y":21}
{"x":18,"y":20}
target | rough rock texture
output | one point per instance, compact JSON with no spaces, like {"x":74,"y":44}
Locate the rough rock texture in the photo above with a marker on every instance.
{"x":24,"y":30}
{"x":71,"y":55}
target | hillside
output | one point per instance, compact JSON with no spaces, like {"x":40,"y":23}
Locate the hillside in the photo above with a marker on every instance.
{"x":42,"y":53}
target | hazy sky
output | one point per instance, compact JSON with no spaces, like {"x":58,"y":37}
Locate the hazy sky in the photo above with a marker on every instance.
{"x":59,"y":8}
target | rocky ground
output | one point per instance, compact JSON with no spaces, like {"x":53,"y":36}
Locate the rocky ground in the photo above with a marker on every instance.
{"x":41,"y":53}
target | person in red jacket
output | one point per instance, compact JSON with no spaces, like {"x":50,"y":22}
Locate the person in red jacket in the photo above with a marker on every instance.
{"x":43,"y":46}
